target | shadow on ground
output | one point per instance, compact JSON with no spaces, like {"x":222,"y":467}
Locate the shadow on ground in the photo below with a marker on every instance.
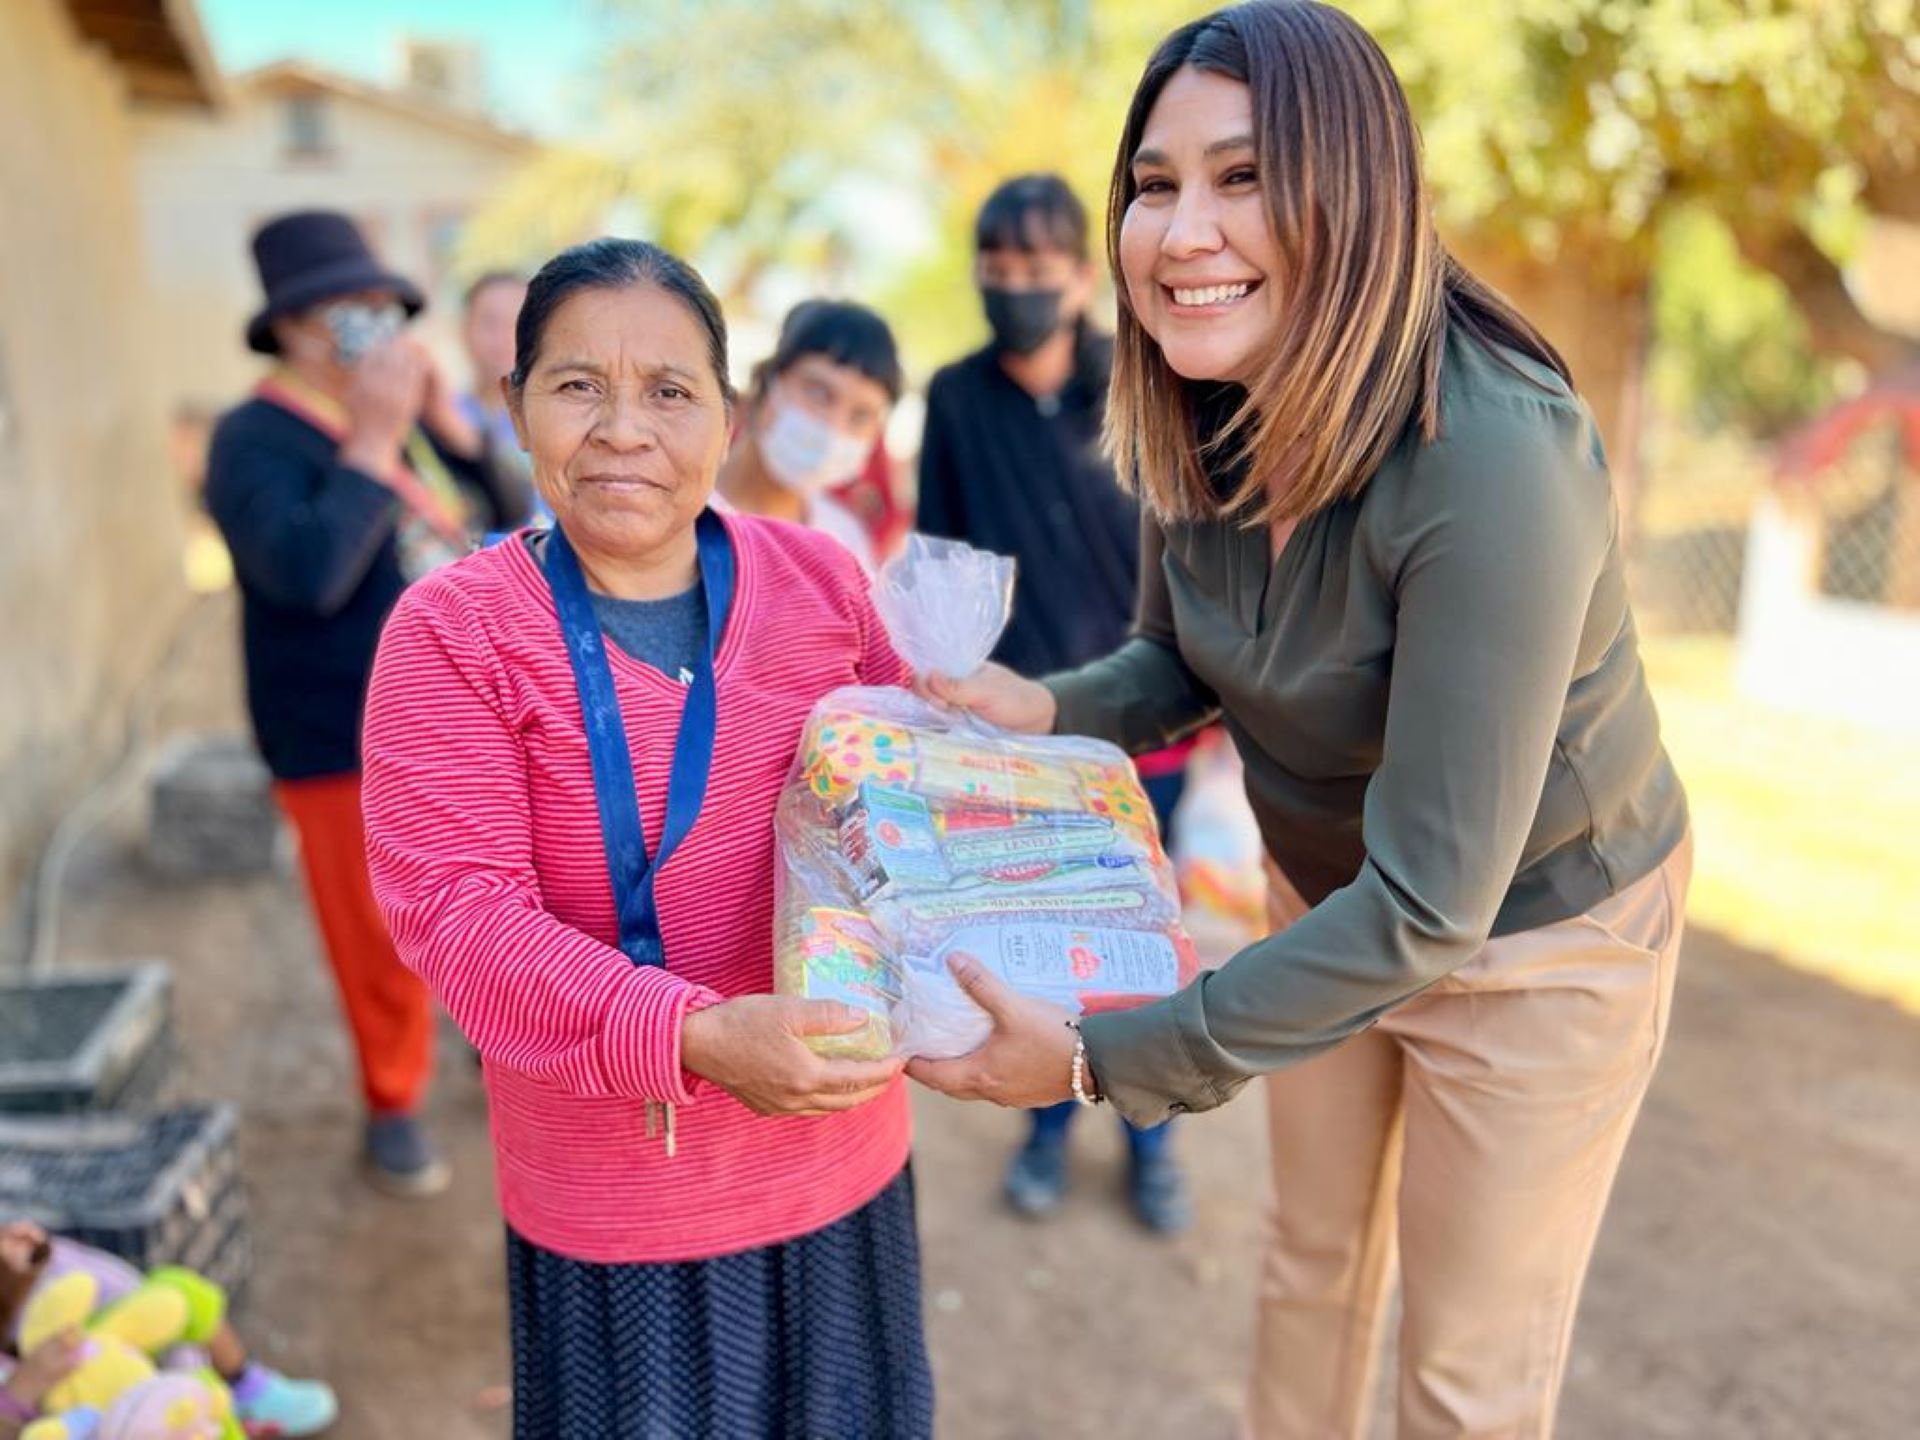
{"x":1759,"y":1275}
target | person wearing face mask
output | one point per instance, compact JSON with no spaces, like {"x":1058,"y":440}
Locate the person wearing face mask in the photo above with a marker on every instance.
{"x":818,"y":408}
{"x":349,"y":472}
{"x":1011,"y":462}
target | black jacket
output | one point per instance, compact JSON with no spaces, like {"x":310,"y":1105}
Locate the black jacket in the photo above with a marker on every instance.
{"x":1003,"y":472}
{"x":315,"y":546}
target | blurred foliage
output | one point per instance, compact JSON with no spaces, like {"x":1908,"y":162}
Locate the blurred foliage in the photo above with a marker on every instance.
{"x":1715,"y":147}
{"x":732,"y":126}
{"x":1730,"y":348}
{"x":1574,"y":118}
{"x":1699,"y":143}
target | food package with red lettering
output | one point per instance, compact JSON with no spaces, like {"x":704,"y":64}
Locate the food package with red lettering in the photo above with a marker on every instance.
{"x":911,"y":833}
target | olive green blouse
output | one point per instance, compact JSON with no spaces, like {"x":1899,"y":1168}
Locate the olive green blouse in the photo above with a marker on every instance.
{"x":1438,"y":696}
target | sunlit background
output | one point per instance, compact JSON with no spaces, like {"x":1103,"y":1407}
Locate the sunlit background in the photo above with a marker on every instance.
{"x":1711,"y":206}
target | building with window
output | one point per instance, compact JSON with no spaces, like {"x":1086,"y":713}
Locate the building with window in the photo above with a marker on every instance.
{"x":411,"y":164}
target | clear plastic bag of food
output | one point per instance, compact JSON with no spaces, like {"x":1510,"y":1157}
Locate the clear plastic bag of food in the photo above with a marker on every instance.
{"x":911,"y":833}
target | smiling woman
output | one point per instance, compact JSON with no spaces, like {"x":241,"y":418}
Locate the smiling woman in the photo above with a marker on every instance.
{"x":1198,"y":267}
{"x":1381,"y":544}
{"x":619,"y":698}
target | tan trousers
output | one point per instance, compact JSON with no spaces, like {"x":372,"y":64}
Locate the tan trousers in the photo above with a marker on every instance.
{"x":1477,"y":1130}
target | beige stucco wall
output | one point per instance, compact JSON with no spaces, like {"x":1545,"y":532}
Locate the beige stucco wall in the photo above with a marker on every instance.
{"x":90,"y":577}
{"x":206,"y":182}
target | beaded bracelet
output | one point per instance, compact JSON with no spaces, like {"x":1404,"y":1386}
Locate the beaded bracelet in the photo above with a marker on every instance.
{"x":1080,"y":1091}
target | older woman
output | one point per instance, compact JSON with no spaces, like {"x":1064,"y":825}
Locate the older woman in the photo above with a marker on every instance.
{"x":1382,"y":544}
{"x":710,"y":1228}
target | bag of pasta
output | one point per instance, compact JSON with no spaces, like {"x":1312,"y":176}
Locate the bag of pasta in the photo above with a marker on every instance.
{"x":911,"y":833}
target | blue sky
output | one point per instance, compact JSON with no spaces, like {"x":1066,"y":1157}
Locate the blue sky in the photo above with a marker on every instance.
{"x":539,"y":52}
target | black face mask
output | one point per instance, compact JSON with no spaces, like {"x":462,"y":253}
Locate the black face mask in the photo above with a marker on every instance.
{"x":1022,"y":320}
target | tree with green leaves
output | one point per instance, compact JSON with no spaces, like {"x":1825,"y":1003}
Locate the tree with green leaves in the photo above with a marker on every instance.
{"x":730,"y":128}
{"x":1580,"y":151}
{"x":1565,"y":137}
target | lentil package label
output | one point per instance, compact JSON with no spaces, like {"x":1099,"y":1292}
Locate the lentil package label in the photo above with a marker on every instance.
{"x":910,"y":834}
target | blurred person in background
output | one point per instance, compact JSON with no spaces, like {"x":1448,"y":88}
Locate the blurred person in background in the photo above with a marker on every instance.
{"x":349,"y":472}
{"x":817,"y":411}
{"x":875,"y":499}
{"x":487,"y":312}
{"x":1011,"y":462}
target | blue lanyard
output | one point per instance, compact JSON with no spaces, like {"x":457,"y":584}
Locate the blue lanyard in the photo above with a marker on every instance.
{"x":628,"y":865}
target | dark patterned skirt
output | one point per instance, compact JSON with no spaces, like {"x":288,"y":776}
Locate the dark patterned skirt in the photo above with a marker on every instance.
{"x":816,"y":1339}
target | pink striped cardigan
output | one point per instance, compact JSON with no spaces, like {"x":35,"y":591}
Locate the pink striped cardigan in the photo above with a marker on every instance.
{"x":486,"y":857}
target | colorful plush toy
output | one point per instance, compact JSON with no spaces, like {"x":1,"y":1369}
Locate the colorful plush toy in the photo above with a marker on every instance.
{"x":163,"y":1407}
{"x":117,"y":1391}
{"x":111,"y":1323}
{"x":170,"y":1407}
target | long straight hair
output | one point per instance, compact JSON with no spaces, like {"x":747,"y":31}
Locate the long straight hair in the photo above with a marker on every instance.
{"x":1370,"y":290}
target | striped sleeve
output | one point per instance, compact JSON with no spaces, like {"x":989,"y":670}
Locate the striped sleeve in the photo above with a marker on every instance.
{"x":450,"y":848}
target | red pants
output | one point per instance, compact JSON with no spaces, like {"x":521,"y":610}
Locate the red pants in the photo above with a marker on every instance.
{"x":388,"y":1007}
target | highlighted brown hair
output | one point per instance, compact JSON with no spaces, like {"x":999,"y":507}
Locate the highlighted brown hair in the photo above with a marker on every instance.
{"x":1371,"y":292}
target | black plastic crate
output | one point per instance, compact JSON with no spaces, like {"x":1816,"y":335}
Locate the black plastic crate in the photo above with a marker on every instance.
{"x":153,"y":1189}
{"x":210,"y":811}
{"x":85,"y":1040}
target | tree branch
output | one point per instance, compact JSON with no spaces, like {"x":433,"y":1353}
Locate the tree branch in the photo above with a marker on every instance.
{"x":1893,"y":191}
{"x":1836,"y":323}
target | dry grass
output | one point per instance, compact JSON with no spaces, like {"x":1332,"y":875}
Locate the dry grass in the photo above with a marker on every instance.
{"x":1808,"y":829}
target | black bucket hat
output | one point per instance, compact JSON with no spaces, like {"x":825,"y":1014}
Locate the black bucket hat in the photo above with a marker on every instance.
{"x":314,"y":255}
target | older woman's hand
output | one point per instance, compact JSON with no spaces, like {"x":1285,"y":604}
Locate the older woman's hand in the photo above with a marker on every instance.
{"x":1026,"y":1061}
{"x":754,"y":1048}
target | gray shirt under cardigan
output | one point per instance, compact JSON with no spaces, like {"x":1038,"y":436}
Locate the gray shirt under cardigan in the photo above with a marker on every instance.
{"x":670,"y":634}
{"x":1437,"y":691}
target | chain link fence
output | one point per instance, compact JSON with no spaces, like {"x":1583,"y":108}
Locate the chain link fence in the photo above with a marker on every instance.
{"x":1687,"y":548}
{"x":1869,"y":508}
{"x":1688,"y":551}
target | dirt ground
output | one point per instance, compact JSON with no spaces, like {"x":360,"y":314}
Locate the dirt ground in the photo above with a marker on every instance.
{"x":1759,"y":1275}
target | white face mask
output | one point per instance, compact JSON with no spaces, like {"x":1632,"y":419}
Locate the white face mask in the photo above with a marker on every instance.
{"x":358,"y":328}
{"x":805,"y":453}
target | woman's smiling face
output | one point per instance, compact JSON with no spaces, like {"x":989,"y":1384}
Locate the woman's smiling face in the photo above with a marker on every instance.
{"x":1197,"y":248}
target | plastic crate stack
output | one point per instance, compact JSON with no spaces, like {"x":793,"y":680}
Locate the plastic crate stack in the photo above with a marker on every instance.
{"x":86,"y":1148}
